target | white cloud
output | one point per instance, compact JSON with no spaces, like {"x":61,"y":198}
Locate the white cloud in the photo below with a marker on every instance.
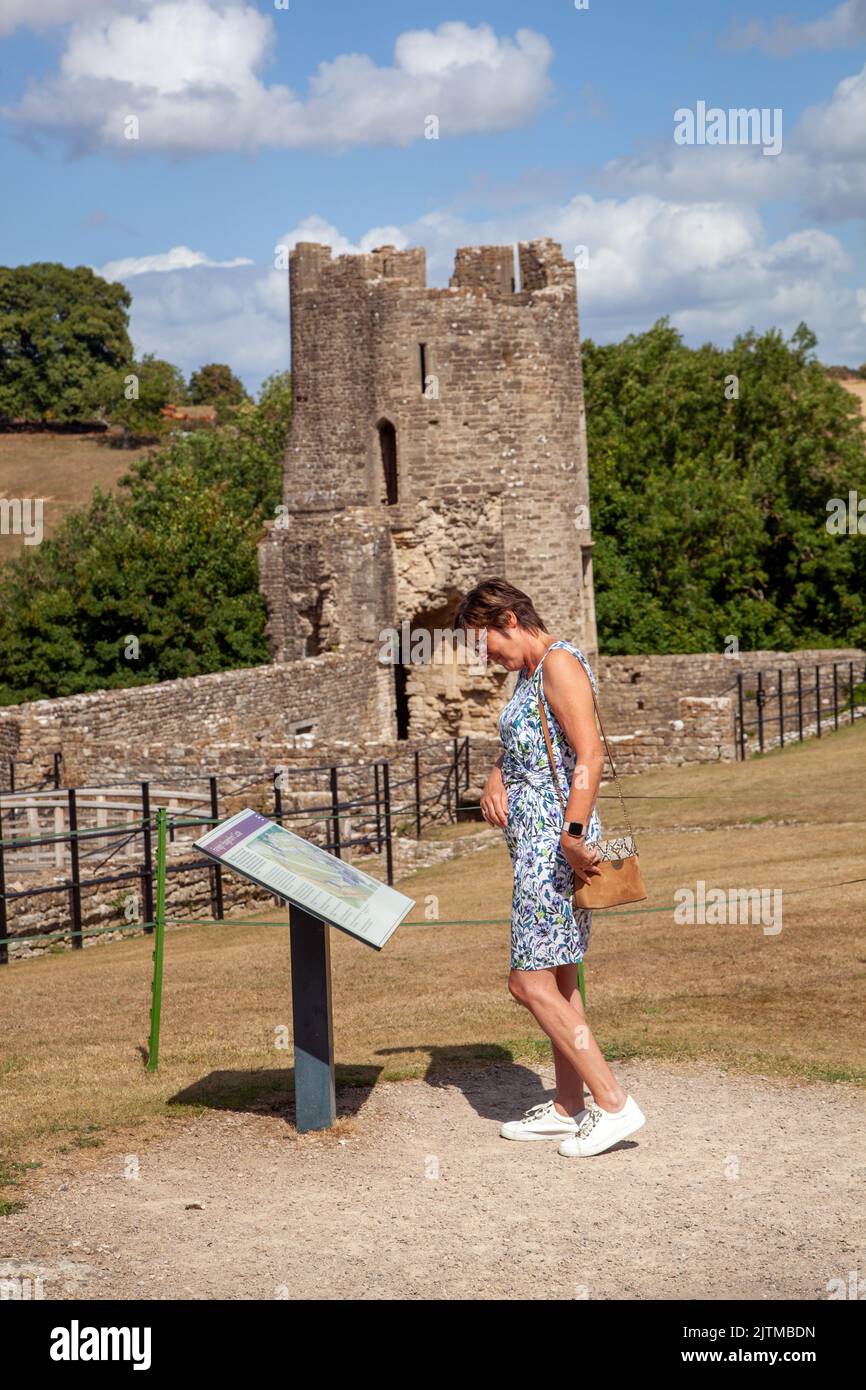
{"x":822,"y":165}
{"x":206,"y":314}
{"x":710,"y":266}
{"x":178,"y":258}
{"x":835,"y":131}
{"x":846,"y":24}
{"x":47,"y":14}
{"x":736,"y":173}
{"x":315,"y":228}
{"x":190,"y":72}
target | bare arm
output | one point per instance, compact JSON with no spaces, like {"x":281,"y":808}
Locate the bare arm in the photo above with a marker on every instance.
{"x":569,"y":695}
{"x":494,"y":798}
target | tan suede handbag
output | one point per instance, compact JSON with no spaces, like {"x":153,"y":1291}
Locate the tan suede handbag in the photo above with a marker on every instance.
{"x":620,"y":880}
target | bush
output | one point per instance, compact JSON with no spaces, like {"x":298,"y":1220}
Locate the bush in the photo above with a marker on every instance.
{"x":158,"y":582}
{"x":710,"y":512}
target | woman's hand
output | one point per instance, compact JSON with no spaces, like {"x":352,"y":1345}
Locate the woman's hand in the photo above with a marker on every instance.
{"x":494,"y":800}
{"x":582,"y":857}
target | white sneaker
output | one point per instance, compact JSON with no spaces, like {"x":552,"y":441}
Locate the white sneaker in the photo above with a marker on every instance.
{"x":602,"y":1129}
{"x":542,"y":1121}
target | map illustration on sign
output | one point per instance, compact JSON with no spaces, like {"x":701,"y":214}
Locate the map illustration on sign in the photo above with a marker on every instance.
{"x":303,"y":873}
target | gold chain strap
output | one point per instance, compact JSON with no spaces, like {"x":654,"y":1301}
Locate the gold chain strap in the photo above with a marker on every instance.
{"x":546,"y":733}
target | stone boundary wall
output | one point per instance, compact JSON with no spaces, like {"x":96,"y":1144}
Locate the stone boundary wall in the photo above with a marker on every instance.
{"x":680,"y":708}
{"x":234,"y":719}
{"x":657,"y":709}
{"x":646,"y":688}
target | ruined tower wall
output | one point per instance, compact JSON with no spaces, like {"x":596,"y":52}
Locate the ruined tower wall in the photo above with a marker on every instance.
{"x":481,"y":383}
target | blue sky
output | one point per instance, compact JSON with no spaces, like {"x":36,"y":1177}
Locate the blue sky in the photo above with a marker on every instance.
{"x":259,"y":126}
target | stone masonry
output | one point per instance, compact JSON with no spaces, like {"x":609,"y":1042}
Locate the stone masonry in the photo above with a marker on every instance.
{"x":438,"y":437}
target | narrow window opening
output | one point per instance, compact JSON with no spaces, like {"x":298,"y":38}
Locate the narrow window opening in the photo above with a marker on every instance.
{"x":401,"y":701}
{"x":312,"y":641}
{"x":388,"y":446}
{"x":423,"y":356}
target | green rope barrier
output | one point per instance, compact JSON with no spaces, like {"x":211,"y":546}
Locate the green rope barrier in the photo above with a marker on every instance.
{"x":451,"y":922}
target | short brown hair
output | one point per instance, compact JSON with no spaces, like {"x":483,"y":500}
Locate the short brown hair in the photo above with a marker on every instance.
{"x":487,"y":604}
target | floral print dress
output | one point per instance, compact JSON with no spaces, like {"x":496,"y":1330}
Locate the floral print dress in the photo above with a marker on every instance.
{"x":545,"y":929}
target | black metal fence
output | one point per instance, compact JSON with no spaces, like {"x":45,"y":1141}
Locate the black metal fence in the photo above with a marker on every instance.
{"x":778,"y":707}
{"x":390,"y":797}
{"x":52,"y":780}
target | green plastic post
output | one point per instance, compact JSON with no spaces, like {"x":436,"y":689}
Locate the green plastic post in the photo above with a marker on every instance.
{"x":158,"y":942}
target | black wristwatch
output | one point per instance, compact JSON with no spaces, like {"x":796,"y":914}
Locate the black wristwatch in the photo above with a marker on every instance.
{"x":573,"y":827}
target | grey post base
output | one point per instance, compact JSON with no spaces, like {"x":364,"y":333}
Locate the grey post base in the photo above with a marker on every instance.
{"x":312,"y":1021}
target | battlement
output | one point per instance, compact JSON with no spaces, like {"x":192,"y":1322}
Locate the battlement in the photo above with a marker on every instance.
{"x":493,"y":270}
{"x":311,"y":264}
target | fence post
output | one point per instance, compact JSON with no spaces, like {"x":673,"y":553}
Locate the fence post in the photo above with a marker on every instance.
{"x":781,"y":712}
{"x":4,"y":948}
{"x":760,"y":704}
{"x":456,"y":781}
{"x":378,"y":796}
{"x":147,"y":871}
{"x":851,"y":688}
{"x":835,"y":697}
{"x":818,"y":697}
{"x":74,"y":882}
{"x":386,"y":795}
{"x":741,"y":738}
{"x":335,"y":814}
{"x":158,"y":944}
{"x":417,"y":795}
{"x":800,"y":701}
{"x":217,"y":880}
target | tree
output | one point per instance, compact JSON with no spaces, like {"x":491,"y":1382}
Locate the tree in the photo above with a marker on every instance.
{"x":710,"y":474}
{"x":60,"y":330}
{"x":135,"y":395}
{"x":170,"y":562}
{"x":216,"y":384}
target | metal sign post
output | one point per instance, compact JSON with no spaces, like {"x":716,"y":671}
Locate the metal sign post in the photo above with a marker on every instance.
{"x":312,"y":1021}
{"x":266,"y":854}
{"x":158,"y":943}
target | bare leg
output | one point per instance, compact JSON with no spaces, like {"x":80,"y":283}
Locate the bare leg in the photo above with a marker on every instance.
{"x":564,"y":1022}
{"x":570,"y":1097}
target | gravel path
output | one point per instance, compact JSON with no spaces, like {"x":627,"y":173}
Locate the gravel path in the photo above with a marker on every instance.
{"x":736,"y":1187}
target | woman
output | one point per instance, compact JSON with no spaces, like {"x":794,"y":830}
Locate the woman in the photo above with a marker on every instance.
{"x":550,"y":853}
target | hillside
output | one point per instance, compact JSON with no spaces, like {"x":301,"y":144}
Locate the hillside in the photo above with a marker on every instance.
{"x":62,"y":469}
{"x":857,"y":386}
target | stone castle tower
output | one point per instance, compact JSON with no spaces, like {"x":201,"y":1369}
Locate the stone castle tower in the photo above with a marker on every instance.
{"x":438,"y":438}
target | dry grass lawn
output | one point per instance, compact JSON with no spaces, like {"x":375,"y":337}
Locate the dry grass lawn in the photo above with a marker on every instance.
{"x":61,"y":469}
{"x":74,"y":1027}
